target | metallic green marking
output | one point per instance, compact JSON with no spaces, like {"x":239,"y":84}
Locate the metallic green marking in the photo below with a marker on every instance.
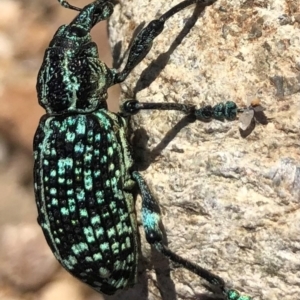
{"x":53,"y":191}
{"x":115,"y":248}
{"x":61,"y":180}
{"x":79,"y":148}
{"x":88,"y":259}
{"x":111,"y":232}
{"x":99,"y":232}
{"x":72,"y":205}
{"x":64,"y":211}
{"x":70,"y":262}
{"x":70,"y":137}
{"x":103,"y":159}
{"x":104,"y":247}
{"x":95,"y":220}
{"x":53,"y":173}
{"x":54,"y":202}
{"x":89,"y":234}
{"x":104,"y":273}
{"x":79,"y":248}
{"x":83,"y":213}
{"x":80,"y":194}
{"x":88,"y":180}
{"x":110,"y":151}
{"x":97,"y":256}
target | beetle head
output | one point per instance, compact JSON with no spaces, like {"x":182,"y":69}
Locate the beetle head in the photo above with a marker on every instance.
{"x":72,"y":78}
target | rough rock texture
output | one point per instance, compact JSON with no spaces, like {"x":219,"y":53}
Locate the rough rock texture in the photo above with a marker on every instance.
{"x":229,"y":201}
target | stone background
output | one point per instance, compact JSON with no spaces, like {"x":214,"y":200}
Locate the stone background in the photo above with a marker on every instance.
{"x":229,"y":203}
{"x":229,"y":200}
{"x":28,"y":269}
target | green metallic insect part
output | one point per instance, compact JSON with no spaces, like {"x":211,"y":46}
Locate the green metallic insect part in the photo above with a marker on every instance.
{"x":84,"y":175}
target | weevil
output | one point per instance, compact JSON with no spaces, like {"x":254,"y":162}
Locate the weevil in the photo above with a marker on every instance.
{"x":84,"y":176}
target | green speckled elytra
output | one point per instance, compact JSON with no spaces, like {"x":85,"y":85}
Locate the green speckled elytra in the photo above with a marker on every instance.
{"x":84,"y":175}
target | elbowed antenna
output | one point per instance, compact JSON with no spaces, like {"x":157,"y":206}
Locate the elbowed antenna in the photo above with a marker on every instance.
{"x":66,"y":4}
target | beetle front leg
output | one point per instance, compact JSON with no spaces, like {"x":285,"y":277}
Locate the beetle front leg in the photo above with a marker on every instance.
{"x":143,"y":41}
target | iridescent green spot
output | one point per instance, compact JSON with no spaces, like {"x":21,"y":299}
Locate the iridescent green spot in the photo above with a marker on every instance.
{"x":88,"y":259}
{"x":79,"y":248}
{"x":80,"y":129}
{"x":79,"y":148}
{"x":70,"y":137}
{"x":99,"y":194}
{"x":88,"y":180}
{"x":104,"y":247}
{"x":120,"y":283}
{"x":64,"y":211}
{"x":74,"y":222}
{"x":72,"y":204}
{"x":83,"y":213}
{"x":97,"y":137}
{"x":53,"y":191}
{"x":129,"y":258}
{"x":127,"y":241}
{"x":57,"y":240}
{"x":114,"y":182}
{"x":99,"y":232}
{"x":78,"y":171}
{"x":111,"y":167}
{"x":80,"y":194}
{"x":95,"y":220}
{"x":61,"y":180}
{"x":110,"y":151}
{"x":103,"y":159}
{"x":89,"y":234}
{"x":104,"y":273}
{"x":70,"y":262}
{"x":63,"y":164}
{"x":111,"y":232}
{"x":46,"y":162}
{"x":53,"y":173}
{"x":54,"y":202}
{"x":97,"y":256}
{"x":115,"y":248}
{"x":88,"y":158}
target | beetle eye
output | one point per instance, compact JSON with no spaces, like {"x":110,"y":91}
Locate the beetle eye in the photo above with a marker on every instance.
{"x":77,"y":31}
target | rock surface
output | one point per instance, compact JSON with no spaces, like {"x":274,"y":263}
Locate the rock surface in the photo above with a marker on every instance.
{"x":229,"y":200}
{"x":28,"y":270}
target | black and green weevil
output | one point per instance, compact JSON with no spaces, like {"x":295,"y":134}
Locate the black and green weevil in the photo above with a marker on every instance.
{"x":84,"y":174}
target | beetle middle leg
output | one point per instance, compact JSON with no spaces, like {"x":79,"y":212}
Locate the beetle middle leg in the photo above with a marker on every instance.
{"x":151,"y":223}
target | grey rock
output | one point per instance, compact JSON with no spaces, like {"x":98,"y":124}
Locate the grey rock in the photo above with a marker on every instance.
{"x":230,"y":204}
